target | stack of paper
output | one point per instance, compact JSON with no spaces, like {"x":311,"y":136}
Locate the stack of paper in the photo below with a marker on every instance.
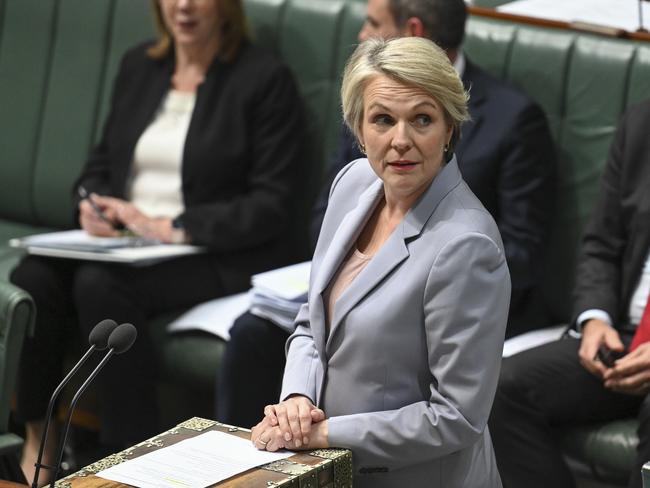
{"x":278,"y":294}
{"x":214,"y":317}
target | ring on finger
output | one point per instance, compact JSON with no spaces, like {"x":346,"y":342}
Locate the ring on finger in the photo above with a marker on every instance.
{"x":259,"y":439}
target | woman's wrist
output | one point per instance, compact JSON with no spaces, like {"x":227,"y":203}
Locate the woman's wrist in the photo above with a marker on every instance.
{"x":320,"y":435}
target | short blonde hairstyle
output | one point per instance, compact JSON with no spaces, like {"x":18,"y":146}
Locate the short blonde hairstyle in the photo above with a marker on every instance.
{"x":234,"y":32}
{"x":412,"y":61}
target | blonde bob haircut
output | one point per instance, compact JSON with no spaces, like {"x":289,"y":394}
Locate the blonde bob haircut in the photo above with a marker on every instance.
{"x":412,"y":61}
{"x":234,"y":30}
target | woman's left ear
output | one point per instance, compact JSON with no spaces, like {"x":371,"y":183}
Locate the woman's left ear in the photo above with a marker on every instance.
{"x":447,"y":151}
{"x":450,"y":136}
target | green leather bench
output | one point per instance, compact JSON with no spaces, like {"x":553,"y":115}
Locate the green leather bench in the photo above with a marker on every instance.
{"x":58,"y":57}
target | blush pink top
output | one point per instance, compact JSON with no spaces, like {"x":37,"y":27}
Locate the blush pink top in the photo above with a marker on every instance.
{"x":348,"y":271}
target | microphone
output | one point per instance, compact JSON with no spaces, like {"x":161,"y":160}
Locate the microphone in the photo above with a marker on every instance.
{"x":98,"y":339}
{"x":120,"y":340}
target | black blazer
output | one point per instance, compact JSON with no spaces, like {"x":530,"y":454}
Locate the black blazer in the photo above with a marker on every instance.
{"x":617,"y":239}
{"x":240,"y":157}
{"x":506,"y":156}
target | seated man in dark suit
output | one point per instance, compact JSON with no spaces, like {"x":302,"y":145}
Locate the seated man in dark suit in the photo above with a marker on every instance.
{"x":505,"y":155}
{"x":567,"y":382}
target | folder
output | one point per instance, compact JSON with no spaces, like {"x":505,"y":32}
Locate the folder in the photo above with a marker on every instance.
{"x":78,"y":244}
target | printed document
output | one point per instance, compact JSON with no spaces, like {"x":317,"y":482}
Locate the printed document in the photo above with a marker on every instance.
{"x":276,"y":295}
{"x":198,"y":462}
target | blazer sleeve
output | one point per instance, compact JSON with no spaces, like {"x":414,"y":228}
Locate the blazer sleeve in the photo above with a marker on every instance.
{"x":526,"y":194}
{"x":465,"y":312}
{"x":598,"y":276}
{"x":302,"y":360}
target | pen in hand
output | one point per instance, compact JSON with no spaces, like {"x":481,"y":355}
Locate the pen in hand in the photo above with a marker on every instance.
{"x":83,"y":193}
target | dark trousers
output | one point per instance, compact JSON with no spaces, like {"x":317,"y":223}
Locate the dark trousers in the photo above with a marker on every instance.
{"x":251,"y":371}
{"x":72,"y":293}
{"x":541,"y":391}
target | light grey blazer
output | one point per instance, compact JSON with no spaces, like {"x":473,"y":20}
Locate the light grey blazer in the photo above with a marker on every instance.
{"x":408,"y":371}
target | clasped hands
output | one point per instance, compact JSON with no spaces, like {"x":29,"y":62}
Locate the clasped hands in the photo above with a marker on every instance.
{"x":292,"y":424}
{"x":630,"y":374}
{"x":118,"y":212}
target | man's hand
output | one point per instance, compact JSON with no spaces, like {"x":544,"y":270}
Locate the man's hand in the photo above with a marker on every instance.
{"x":594,"y":334}
{"x":631,"y":373}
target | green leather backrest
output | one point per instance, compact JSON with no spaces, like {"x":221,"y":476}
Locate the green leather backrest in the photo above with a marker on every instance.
{"x":24,"y":65}
{"x":264,"y":18}
{"x":315,"y":38}
{"x":349,"y":28}
{"x":68,"y":113}
{"x":639,"y":85}
{"x":57,"y":58}
{"x":307,"y":34}
{"x":130,"y":23}
{"x":584,"y":83}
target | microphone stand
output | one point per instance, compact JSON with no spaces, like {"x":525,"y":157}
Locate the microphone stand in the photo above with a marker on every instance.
{"x":68,"y":419}
{"x":48,"y":416}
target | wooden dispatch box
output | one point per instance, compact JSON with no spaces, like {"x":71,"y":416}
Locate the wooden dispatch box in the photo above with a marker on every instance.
{"x":323,"y":468}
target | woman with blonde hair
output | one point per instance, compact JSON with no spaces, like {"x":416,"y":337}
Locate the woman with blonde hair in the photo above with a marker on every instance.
{"x":201,"y":146}
{"x":396,"y":354}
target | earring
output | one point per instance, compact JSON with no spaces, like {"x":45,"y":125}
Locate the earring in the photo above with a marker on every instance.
{"x":446,"y":148}
{"x":363,"y":148}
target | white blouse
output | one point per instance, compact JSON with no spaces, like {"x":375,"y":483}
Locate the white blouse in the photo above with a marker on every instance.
{"x":155,"y":184}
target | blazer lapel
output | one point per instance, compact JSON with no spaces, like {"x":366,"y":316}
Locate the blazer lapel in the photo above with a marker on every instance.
{"x":395,"y":250}
{"x":392,"y":253}
{"x":346,"y":234}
